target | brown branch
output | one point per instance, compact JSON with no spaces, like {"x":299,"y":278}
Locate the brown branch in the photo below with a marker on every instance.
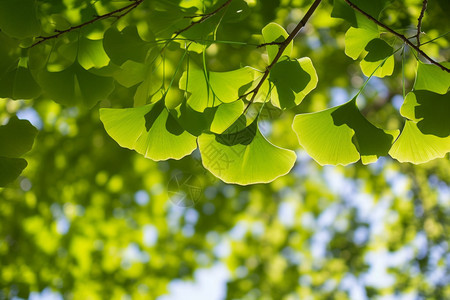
{"x":401,"y":36}
{"x":118,"y":13}
{"x":203,"y":18}
{"x":283,"y":45}
{"x":419,"y":23}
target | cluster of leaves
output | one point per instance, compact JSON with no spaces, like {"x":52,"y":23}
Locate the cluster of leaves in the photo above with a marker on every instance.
{"x":180,"y":104}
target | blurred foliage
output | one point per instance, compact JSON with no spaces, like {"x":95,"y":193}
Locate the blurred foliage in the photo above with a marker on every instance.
{"x":91,"y":220}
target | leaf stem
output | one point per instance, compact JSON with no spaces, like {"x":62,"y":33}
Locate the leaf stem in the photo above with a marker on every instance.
{"x":419,"y":23}
{"x":401,"y":36}
{"x":118,"y":13}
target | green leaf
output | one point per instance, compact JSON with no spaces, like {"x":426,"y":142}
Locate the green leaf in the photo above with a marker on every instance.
{"x":292,"y":81}
{"x":9,"y":53}
{"x":226,"y":114}
{"x":273,"y":32}
{"x":214,"y":88}
{"x":150,"y":130}
{"x":429,"y":110}
{"x":18,"y":18}
{"x":341,"y":135}
{"x":416,"y":147}
{"x":379,"y":58}
{"x":342,"y":10}
{"x":75,"y":86}
{"x":244,"y":157}
{"x":16,"y":139}
{"x":91,"y":54}
{"x":125,"y":45}
{"x":18,"y":83}
{"x":356,"y":39}
{"x":432,"y":78}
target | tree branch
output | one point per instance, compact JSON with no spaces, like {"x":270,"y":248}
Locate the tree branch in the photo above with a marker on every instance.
{"x":118,"y":13}
{"x":419,"y":23}
{"x":401,"y":36}
{"x":283,"y":45}
{"x":203,"y":18}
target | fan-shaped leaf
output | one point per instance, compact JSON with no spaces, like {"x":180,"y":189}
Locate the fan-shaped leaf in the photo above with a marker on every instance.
{"x":150,"y":130}
{"x":16,"y":138}
{"x":432,"y":78}
{"x":18,"y":18}
{"x":341,"y":135}
{"x":75,"y":86}
{"x":214,"y":88}
{"x":273,"y":32}
{"x":18,"y":83}
{"x":244,"y":157}
{"x":379,"y":58}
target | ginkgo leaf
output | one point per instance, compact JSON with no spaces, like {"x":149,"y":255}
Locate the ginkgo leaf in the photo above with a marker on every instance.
{"x":226,"y":114}
{"x":18,"y":18}
{"x":18,"y":83}
{"x":244,"y":157}
{"x":416,"y":147}
{"x":213,"y":88}
{"x":341,"y":135}
{"x":356,"y":39}
{"x":75,"y":86}
{"x":130,"y":73}
{"x":273,"y":32}
{"x":16,"y":139}
{"x":149,"y":130}
{"x":379,"y":59}
{"x":432,"y":78}
{"x":292,"y":80}
{"x":429,"y":110}
{"x":125,"y":45}
{"x":91,"y":54}
{"x":342,"y":10}
{"x":9,"y":53}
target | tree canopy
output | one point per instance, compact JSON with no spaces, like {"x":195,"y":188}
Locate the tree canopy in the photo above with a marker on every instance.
{"x":300,"y":145}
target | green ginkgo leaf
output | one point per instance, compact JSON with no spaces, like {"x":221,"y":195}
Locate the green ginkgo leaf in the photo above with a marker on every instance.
{"x":292,"y":80}
{"x":18,"y":83}
{"x":225,"y":115}
{"x":213,"y":88}
{"x":149,"y":130}
{"x":429,"y":110}
{"x":125,"y":45}
{"x":341,"y":136}
{"x":244,"y":157}
{"x":16,"y":139}
{"x":356,"y":40}
{"x":379,"y":59}
{"x":416,"y":147}
{"x":342,"y":10}
{"x":18,"y":18}
{"x":75,"y":86}
{"x":432,"y":78}
{"x":91,"y":54}
{"x":273,"y":32}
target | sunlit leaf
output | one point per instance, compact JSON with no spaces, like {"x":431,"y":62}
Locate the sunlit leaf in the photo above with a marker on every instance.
{"x":379,"y":58}
{"x":341,"y":135}
{"x":432,"y":78}
{"x":213,"y":88}
{"x":356,"y":39}
{"x":244,"y":157}
{"x":292,"y":80}
{"x":275,"y":33}
{"x":150,"y":130}
{"x":226,"y":114}
{"x":416,"y":147}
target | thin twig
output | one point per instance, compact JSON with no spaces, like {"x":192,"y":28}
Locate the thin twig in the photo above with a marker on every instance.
{"x":203,"y":18}
{"x":419,"y":23}
{"x":118,"y":13}
{"x":283,"y":45}
{"x":401,"y":36}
